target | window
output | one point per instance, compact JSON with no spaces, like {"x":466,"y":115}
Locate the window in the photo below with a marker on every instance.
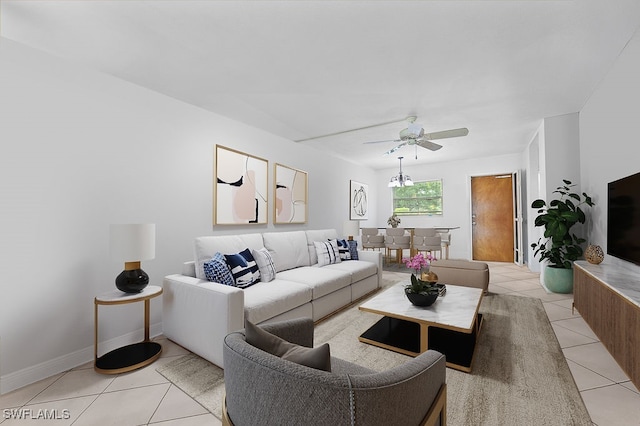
{"x":423,"y":198}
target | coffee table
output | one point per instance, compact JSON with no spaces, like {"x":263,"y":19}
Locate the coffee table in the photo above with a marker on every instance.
{"x":450,"y":326}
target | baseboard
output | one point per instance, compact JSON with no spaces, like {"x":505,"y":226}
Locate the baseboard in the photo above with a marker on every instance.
{"x":29,"y":375}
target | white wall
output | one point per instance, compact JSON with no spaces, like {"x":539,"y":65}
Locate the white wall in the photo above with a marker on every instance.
{"x":609,"y":136}
{"x":81,"y":150}
{"x":557,"y":144}
{"x":456,"y":187}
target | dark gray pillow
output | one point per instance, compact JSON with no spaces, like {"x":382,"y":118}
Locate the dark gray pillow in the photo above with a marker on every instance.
{"x":319,"y":357}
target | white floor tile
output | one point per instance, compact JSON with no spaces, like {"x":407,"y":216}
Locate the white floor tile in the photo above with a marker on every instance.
{"x":125,"y":407}
{"x":75,"y":383}
{"x":175,"y":405}
{"x":595,"y":357}
{"x":612,"y":406}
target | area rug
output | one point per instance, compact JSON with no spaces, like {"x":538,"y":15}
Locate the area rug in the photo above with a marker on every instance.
{"x":519,"y":377}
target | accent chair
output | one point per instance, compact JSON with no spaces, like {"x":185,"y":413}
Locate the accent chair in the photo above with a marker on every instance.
{"x":264,"y":389}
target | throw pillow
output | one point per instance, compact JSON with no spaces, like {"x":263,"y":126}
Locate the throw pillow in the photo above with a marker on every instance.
{"x":319,"y":358}
{"x":353,"y":249}
{"x":265,"y":264}
{"x":216,"y":270}
{"x":243,"y":267}
{"x":343,"y":250}
{"x":327,"y":252}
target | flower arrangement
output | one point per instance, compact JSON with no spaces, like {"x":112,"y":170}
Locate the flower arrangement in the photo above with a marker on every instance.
{"x":419,"y":261}
{"x":418,"y":286}
{"x":393,"y":220}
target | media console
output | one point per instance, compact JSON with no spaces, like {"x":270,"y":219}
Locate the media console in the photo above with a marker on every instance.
{"x":608,"y":298}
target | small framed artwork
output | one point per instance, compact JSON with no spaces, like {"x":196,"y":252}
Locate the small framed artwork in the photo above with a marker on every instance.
{"x":290,"y":195}
{"x":240,"y":188}
{"x":358,"y":200}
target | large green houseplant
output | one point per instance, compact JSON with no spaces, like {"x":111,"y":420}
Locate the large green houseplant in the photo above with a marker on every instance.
{"x":560,"y":247}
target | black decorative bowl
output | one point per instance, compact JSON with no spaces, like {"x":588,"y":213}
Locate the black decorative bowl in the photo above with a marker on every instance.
{"x":418,"y":299}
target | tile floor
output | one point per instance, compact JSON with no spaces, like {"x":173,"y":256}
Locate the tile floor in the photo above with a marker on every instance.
{"x":145,"y":397}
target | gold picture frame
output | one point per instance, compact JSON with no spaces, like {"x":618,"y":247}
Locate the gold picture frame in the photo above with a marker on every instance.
{"x":290,"y":195}
{"x":241,"y":188}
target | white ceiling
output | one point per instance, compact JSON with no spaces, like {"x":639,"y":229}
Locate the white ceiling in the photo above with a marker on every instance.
{"x":300,"y":69}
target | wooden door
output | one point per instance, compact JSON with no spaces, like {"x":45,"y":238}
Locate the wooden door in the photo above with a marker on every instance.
{"x":492,"y":218}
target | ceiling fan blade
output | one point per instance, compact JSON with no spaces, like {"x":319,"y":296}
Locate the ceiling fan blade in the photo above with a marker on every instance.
{"x":453,"y":133}
{"x":353,"y":130}
{"x":429,"y":145}
{"x":394,"y":149}
{"x":389,"y":140}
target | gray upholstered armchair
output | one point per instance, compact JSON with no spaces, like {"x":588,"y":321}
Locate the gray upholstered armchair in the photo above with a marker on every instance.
{"x":264,"y":389}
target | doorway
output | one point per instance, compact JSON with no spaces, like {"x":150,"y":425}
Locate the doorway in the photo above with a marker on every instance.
{"x":492,"y":218}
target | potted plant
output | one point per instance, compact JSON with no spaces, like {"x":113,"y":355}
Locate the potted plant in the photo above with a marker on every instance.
{"x":421,"y":292}
{"x":560,"y":247}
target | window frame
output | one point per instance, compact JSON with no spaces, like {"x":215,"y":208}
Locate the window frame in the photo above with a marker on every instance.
{"x":422,"y":213}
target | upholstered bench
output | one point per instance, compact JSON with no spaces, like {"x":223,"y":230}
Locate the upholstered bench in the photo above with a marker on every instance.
{"x":467,"y":273}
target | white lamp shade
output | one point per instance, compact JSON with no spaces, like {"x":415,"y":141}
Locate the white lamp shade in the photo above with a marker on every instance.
{"x":351,"y":228}
{"x":132,"y":242}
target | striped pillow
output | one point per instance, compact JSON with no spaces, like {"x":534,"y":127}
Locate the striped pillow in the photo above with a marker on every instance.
{"x":265,"y":264}
{"x":327,"y":252}
{"x":243,"y":268}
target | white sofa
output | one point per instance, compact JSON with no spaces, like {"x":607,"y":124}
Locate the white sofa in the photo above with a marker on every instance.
{"x":198,"y":314}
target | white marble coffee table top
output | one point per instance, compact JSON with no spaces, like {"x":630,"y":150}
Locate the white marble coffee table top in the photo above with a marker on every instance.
{"x":456,"y":310}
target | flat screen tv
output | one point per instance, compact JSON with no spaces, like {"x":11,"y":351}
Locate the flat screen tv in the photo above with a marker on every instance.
{"x":623,"y":218}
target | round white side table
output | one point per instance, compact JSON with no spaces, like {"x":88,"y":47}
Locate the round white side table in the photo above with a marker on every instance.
{"x":136,"y":355}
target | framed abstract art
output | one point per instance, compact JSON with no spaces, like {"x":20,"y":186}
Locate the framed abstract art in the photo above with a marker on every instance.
{"x":241,"y":184}
{"x":358,"y":200}
{"x":290,"y":195}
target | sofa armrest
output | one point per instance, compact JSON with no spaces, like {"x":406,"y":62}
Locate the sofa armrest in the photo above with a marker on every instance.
{"x":298,"y":331}
{"x":389,"y":394}
{"x":198,"y":314}
{"x":373,"y":256}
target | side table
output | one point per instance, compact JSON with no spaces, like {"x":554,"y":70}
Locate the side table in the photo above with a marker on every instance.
{"x":136,"y":355}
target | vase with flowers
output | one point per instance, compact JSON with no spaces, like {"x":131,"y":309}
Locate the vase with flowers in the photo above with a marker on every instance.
{"x":423,"y":290}
{"x":393,"y":220}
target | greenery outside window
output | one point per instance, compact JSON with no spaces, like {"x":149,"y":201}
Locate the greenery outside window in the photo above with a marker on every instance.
{"x":423,"y":198}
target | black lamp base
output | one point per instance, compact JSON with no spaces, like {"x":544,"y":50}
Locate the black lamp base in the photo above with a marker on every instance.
{"x":132,"y":281}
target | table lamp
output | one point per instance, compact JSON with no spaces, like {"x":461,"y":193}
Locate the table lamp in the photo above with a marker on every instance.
{"x":351,"y":228}
{"x":132,"y":243}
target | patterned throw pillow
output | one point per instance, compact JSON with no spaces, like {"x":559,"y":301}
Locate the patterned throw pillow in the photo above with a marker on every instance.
{"x":343,"y":250}
{"x":243,"y":268}
{"x":327,"y":252}
{"x":265,"y":264}
{"x":216,"y":270}
{"x":353,"y":249}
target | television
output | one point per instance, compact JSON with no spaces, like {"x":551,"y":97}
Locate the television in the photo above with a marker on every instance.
{"x":623,"y":218}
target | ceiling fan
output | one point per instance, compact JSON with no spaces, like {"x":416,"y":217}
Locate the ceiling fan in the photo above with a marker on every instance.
{"x":414,"y":135}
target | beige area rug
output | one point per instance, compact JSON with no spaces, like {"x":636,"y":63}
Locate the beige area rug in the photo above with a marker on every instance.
{"x":519,"y":377}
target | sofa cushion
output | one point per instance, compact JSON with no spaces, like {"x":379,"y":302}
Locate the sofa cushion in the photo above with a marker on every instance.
{"x":206,"y":247}
{"x":343,"y":249}
{"x":265,"y":264}
{"x":327,"y":252}
{"x":353,"y":249}
{"x":358,"y":270}
{"x":321,"y":281}
{"x":217,"y":270}
{"x":318,"y":358}
{"x":318,"y":235}
{"x":263,"y":301}
{"x":288,"y":249}
{"x":243,"y":267}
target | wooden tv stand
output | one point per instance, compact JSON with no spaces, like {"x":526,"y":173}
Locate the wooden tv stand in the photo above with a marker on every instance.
{"x":608,"y":298}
